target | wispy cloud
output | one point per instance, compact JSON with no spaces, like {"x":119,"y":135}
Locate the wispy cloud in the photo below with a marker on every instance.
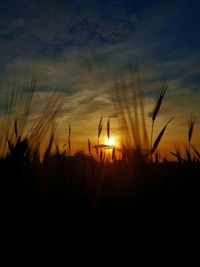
{"x":81,"y":49}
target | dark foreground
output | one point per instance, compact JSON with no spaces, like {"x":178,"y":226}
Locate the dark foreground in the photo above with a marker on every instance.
{"x":81,"y":186}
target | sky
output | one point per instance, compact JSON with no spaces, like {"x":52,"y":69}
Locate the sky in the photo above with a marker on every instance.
{"x":85,"y":48}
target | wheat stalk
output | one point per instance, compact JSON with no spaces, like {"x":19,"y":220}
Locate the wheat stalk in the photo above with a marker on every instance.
{"x":190,"y":129}
{"x":156,"y":110}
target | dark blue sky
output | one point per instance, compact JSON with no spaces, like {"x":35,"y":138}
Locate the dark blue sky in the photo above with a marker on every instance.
{"x":47,"y":28}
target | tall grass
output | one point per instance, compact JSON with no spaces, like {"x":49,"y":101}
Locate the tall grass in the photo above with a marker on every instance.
{"x":15,"y":134}
{"x":132,"y":115}
{"x":128,"y":102}
{"x":190,"y":129}
{"x":156,"y":110}
{"x":94,"y":183}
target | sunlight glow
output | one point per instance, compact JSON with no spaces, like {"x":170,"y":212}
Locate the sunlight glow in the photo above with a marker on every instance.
{"x":110,"y":142}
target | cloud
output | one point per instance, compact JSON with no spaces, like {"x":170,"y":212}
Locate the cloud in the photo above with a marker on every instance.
{"x":84,"y":75}
{"x":81,"y":52}
{"x":49,"y":28}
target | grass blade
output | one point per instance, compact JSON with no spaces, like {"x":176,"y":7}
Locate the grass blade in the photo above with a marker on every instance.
{"x":178,"y":156}
{"x":100,"y":127}
{"x":159,"y":102}
{"x":157,"y":141}
{"x":69,"y":138}
{"x":89,"y":147}
{"x":108,"y":128}
{"x":189,"y":158}
{"x":196,"y":151}
{"x":16,"y":133}
{"x":191,"y":127}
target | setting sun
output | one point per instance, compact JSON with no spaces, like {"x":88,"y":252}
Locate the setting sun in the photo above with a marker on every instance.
{"x":110,"y":142}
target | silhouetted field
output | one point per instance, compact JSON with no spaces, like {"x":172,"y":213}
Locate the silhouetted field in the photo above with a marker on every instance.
{"x":63,"y":185}
{"x":80,"y":185}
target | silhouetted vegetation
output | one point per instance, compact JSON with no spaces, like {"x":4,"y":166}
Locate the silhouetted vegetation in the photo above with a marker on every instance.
{"x":136,"y":183}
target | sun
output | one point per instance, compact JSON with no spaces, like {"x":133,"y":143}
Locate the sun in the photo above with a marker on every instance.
{"x":110,"y":142}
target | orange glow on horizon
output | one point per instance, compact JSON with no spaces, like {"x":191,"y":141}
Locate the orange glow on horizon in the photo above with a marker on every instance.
{"x":110,"y":142}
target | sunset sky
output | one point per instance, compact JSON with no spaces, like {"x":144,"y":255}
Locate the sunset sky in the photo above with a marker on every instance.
{"x":83,"y":48}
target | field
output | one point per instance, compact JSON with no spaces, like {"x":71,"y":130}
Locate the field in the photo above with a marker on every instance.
{"x":132,"y":181}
